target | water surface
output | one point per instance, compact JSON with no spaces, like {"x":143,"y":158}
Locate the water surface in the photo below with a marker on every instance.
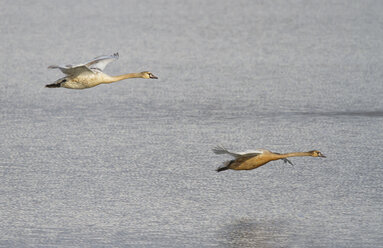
{"x":130,"y":164}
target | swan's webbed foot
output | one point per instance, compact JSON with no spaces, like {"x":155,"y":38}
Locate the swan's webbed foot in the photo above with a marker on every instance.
{"x":287,"y":161}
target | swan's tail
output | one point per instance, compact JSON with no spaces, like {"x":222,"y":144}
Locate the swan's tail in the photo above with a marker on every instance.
{"x":55,"y":85}
{"x":225,"y":166}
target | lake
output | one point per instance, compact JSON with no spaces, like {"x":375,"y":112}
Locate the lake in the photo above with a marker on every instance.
{"x":130,"y":164}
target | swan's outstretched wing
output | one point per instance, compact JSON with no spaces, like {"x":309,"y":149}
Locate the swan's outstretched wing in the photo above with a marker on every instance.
{"x":72,"y":70}
{"x":223,"y":150}
{"x":246,"y":154}
{"x":101,"y":62}
{"x":98,"y":63}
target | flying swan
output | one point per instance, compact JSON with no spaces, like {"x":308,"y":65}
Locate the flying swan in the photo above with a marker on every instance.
{"x":91,"y":74}
{"x":252,"y":159}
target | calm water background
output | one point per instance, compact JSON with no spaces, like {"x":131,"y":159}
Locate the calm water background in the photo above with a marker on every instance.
{"x":130,"y":164}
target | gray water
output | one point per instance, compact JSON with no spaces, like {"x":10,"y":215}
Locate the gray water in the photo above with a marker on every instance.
{"x":130,"y":164}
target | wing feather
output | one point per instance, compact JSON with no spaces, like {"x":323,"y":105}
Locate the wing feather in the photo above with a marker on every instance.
{"x":72,"y":70}
{"x":247,"y":154}
{"x":101,"y":62}
{"x":98,"y":63}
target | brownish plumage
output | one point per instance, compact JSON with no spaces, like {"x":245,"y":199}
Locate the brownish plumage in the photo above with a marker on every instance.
{"x":253,"y":159}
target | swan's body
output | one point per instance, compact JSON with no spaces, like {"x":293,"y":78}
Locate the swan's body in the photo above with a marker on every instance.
{"x":249,"y":160}
{"x":90,"y":74}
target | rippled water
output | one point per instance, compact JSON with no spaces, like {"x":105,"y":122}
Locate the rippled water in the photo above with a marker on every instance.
{"x":130,"y":164}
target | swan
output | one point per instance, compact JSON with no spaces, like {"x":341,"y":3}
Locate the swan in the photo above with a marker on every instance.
{"x":252,"y":159}
{"x":91,"y":74}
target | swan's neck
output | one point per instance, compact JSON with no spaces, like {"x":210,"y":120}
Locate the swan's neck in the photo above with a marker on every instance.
{"x":293,"y":154}
{"x":113,"y":79}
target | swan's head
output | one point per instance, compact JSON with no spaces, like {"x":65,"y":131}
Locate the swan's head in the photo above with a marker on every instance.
{"x":316,"y":153}
{"x":147,"y":75}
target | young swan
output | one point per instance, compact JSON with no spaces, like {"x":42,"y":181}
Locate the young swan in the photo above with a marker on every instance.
{"x":249,"y":160}
{"x":90,"y":74}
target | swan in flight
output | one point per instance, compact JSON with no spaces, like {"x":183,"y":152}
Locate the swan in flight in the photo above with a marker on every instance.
{"x":91,"y":74}
{"x":252,"y":159}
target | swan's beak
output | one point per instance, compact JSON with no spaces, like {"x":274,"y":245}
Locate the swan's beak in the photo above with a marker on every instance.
{"x":153,"y":77}
{"x":322,"y":156}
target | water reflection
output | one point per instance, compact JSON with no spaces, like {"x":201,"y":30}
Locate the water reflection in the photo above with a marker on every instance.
{"x":250,"y":233}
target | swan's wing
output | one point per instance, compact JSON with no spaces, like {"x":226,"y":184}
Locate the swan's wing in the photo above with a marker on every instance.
{"x":247,"y":154}
{"x":98,"y":63}
{"x":223,"y":150}
{"x":72,"y":70}
{"x":101,"y":62}
{"x":258,"y":151}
